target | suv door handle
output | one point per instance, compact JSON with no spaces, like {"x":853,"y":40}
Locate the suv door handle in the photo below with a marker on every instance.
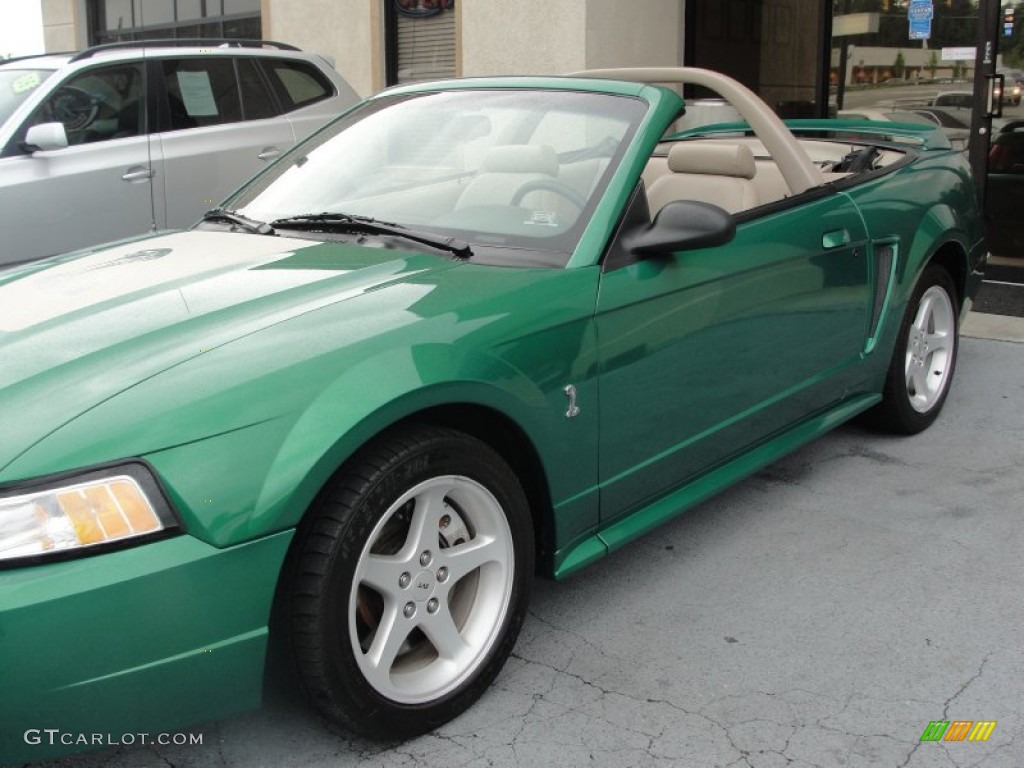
{"x":269,"y":153}
{"x":138,"y":173}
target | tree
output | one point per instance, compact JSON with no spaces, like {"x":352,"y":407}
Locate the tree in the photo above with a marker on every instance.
{"x":899,"y":65}
{"x":933,"y":64}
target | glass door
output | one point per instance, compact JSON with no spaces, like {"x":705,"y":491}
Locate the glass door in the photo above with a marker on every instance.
{"x":955,"y":64}
{"x":906,"y":61}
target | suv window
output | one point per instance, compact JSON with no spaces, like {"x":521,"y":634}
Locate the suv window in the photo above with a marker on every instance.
{"x":297,"y":83}
{"x":201,"y":92}
{"x":96,"y":105}
{"x":257,"y":100}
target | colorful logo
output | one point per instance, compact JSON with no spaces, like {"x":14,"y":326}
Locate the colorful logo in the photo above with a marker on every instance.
{"x":958,"y":730}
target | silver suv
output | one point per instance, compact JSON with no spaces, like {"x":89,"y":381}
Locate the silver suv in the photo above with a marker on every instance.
{"x":124,"y":138}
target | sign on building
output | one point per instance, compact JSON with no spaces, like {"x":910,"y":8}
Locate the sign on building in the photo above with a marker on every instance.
{"x":920,"y":14}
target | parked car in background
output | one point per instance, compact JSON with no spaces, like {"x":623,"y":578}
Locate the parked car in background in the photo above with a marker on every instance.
{"x":958,"y":99}
{"x":471,"y":331}
{"x":1012,"y":94}
{"x":1004,"y":199}
{"x":124,"y":138}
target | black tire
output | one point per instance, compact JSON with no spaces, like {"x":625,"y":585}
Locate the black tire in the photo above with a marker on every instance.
{"x":358,"y":533}
{"x":911,"y":403}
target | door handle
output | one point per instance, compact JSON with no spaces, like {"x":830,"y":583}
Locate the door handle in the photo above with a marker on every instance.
{"x":996,"y":86}
{"x":835,"y":238}
{"x":138,"y":174}
{"x":269,"y":153}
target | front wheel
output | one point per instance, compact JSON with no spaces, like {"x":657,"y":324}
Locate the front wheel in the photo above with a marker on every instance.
{"x":923,"y":362}
{"x":412,"y":582}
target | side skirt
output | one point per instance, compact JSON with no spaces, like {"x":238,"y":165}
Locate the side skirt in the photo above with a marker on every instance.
{"x":645,"y":519}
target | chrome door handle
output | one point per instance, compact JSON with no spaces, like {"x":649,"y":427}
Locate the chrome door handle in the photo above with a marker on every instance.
{"x":138,"y":174}
{"x":269,"y":153}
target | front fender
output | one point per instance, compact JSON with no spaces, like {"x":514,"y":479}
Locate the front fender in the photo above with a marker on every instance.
{"x":394,"y":387}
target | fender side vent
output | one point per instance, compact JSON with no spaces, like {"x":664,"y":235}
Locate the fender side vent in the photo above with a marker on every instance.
{"x":885,"y":261}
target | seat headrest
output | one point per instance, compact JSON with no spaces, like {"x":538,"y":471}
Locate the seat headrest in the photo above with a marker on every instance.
{"x":734,"y":160}
{"x":521,"y":158}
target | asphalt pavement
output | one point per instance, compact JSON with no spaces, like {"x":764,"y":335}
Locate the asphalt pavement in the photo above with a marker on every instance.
{"x":822,"y":613}
{"x":1002,"y":291}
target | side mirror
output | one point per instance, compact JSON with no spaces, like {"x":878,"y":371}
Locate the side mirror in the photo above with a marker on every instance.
{"x":44,"y":137}
{"x":682,"y":225}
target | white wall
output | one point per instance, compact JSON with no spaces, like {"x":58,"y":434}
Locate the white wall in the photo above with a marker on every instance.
{"x":545,"y":37}
{"x":63,"y":25}
{"x":640,"y":33}
{"x":529,"y":37}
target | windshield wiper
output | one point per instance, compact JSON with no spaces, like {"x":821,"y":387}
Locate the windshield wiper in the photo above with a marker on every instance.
{"x":371,"y":226}
{"x":244,"y":222}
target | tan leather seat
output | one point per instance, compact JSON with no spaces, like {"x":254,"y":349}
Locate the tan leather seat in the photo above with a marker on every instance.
{"x":720,"y":174}
{"x":505,"y":170}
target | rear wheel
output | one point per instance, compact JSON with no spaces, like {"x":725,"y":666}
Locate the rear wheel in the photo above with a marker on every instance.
{"x":413,"y":575}
{"x":924,"y":360}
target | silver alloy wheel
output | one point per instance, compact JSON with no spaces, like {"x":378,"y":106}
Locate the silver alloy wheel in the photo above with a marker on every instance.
{"x":930,"y":347}
{"x":431,"y":589}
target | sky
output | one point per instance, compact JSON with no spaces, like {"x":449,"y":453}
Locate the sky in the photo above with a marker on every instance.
{"x":21,"y":27}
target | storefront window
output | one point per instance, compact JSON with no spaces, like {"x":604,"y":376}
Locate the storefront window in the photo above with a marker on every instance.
{"x":891,"y":59}
{"x":420,"y":40}
{"x":116,"y":20}
{"x":765,"y":44}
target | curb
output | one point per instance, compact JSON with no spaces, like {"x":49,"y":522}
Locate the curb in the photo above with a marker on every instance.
{"x":993,"y":327}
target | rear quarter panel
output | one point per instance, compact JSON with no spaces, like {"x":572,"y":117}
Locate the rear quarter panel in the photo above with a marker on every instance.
{"x":929,"y":209}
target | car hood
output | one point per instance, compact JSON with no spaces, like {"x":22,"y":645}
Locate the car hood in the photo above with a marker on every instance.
{"x":76,"y":331}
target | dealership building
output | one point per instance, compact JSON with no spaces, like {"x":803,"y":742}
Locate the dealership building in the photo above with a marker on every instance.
{"x":780,"y":48}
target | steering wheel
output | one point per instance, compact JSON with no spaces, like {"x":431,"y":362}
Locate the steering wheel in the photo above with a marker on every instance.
{"x":549,"y":185}
{"x":74,"y":107}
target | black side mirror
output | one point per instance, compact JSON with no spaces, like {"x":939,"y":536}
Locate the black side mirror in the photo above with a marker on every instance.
{"x":682,"y":225}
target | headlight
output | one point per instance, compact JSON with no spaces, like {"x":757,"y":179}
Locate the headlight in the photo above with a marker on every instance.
{"x":82,"y":513}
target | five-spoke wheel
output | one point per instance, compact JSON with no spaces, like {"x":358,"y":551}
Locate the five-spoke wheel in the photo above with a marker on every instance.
{"x":931,"y":341}
{"x":922,"y":365}
{"x":431,"y":589}
{"x":411,"y":582}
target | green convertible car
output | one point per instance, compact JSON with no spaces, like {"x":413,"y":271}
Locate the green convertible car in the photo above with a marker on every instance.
{"x":469,"y":332}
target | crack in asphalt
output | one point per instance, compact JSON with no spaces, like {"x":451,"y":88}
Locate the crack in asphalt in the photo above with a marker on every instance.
{"x":946,"y":706}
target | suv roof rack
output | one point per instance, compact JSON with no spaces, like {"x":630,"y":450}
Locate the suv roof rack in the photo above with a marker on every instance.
{"x":37,"y":56}
{"x":191,"y":42}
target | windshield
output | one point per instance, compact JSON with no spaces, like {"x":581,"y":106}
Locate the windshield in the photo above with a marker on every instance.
{"x":15,"y":87}
{"x":510,"y":169}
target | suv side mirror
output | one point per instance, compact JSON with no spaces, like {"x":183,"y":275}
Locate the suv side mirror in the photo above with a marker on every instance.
{"x":44,"y":137}
{"x":682,"y":225}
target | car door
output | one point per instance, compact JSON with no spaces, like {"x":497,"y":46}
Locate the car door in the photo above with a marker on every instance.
{"x":213,"y":140}
{"x":98,"y":188}
{"x":707,"y":352}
